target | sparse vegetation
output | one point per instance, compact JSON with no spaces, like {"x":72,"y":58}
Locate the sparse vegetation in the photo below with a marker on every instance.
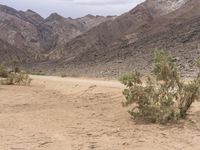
{"x":63,"y":75}
{"x":3,"y":72}
{"x":15,"y":65}
{"x":21,"y":78}
{"x":40,"y":73}
{"x":15,"y":77}
{"x":164,"y":98}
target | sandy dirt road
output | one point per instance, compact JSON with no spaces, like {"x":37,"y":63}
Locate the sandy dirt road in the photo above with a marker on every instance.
{"x":83,"y":114}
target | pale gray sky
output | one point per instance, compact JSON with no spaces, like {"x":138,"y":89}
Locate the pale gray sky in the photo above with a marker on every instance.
{"x":74,"y":8}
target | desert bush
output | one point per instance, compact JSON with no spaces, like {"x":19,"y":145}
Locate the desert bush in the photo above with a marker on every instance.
{"x":15,"y":65}
{"x":16,"y":77}
{"x":3,"y":71}
{"x":17,"y":70}
{"x":63,"y":75}
{"x":20,"y":78}
{"x":164,"y":97}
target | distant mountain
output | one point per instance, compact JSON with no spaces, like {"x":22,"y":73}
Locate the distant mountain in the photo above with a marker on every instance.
{"x":28,"y":33}
{"x":68,"y":28}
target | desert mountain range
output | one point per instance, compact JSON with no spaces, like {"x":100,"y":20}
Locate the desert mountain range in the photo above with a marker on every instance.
{"x":102,"y":46}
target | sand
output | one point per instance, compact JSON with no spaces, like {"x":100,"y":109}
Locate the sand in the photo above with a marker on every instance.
{"x":83,"y":114}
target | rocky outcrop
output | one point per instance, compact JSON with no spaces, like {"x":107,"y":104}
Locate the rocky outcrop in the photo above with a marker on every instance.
{"x":162,"y":7}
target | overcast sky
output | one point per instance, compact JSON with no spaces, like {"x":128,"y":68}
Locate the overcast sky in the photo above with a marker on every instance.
{"x":74,"y":8}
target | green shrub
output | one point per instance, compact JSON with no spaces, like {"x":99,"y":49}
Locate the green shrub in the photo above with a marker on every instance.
{"x":63,"y":75}
{"x":3,"y":72}
{"x":17,"y":70}
{"x":17,"y":79}
{"x":164,"y":97}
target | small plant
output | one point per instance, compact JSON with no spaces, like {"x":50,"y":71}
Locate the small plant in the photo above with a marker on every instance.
{"x":164,"y":98}
{"x":63,"y":75}
{"x":17,"y":79}
{"x":15,"y":66}
{"x":3,"y":71}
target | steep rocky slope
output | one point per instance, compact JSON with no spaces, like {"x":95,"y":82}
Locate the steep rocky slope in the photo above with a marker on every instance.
{"x":113,"y":32}
{"x":129,"y":41}
{"x":8,"y":52}
{"x":24,"y":32}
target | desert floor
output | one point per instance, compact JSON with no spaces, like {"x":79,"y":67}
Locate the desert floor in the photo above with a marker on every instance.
{"x":83,"y":114}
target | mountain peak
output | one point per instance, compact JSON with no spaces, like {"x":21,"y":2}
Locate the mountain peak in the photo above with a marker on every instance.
{"x":30,"y":11}
{"x":54,"y":16}
{"x":33,"y":14}
{"x":90,"y":16}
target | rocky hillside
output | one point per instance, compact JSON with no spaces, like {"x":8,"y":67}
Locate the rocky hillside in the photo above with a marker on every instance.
{"x":29,"y":35}
{"x":103,"y":46}
{"x":24,"y":31}
{"x":129,"y":41}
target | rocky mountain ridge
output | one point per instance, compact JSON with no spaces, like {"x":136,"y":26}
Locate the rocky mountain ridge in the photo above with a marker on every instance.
{"x":29,"y":33}
{"x":129,"y":42}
